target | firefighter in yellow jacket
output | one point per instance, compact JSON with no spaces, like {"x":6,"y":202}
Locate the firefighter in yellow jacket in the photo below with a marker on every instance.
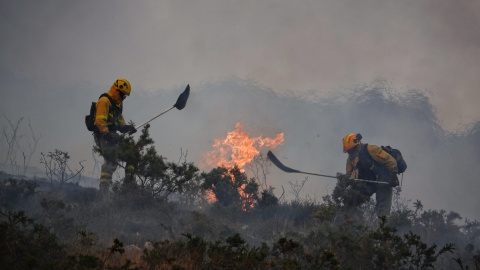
{"x":109,"y":120}
{"x":370,"y":162}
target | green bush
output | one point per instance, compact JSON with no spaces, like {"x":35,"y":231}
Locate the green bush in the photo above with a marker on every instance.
{"x":25,"y":244}
{"x":231,"y":187}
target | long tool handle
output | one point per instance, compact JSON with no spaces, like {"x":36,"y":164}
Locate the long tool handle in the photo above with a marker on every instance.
{"x":284,"y":168}
{"x":180,"y":104}
{"x":139,"y":126}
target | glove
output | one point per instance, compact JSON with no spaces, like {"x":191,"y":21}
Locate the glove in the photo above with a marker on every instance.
{"x":393,"y":179}
{"x":128,"y":128}
{"x":342,"y":177}
{"x":354,"y":174}
{"x":112,"y":137}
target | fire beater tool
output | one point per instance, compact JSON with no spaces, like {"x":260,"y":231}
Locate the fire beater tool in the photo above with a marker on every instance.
{"x":284,"y":168}
{"x":180,"y":104}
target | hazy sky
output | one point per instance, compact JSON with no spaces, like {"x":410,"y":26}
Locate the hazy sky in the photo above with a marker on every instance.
{"x":300,"y":46}
{"x":56,"y":56}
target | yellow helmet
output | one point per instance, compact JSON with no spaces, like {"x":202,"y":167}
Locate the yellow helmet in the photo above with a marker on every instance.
{"x":350,"y":141}
{"x":123,"y":85}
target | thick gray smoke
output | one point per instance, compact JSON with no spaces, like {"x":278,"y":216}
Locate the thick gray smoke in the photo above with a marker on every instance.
{"x":442,"y":170}
{"x":442,"y":166}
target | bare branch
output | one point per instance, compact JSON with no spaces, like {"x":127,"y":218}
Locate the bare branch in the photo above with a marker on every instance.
{"x":282,"y":197}
{"x":32,"y":148}
{"x":57,"y":168}
{"x":297,"y":187}
{"x":12,"y":138}
{"x":259,"y":167}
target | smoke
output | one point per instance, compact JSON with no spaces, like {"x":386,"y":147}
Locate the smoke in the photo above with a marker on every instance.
{"x":57,"y":57}
{"x":312,"y":45}
{"x":441,"y":165}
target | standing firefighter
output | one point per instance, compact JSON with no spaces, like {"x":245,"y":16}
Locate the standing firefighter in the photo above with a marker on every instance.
{"x":109,"y":120}
{"x":368,"y":162}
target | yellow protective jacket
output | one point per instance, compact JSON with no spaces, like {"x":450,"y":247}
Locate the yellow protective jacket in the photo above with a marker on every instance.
{"x":109,"y":118}
{"x":378,"y":155}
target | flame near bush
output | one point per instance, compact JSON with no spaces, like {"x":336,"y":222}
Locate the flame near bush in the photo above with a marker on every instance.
{"x":238,"y":149}
{"x":232,"y":153}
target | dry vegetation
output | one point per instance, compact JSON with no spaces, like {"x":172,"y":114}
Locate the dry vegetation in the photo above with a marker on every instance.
{"x":50,"y":225}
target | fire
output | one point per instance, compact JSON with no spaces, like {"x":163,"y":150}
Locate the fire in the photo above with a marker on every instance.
{"x":210,"y":196}
{"x":238,"y":149}
{"x":247,"y":200}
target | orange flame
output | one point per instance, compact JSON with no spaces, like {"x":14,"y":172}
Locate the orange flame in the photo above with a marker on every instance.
{"x":238,"y":149}
{"x":210,"y":196}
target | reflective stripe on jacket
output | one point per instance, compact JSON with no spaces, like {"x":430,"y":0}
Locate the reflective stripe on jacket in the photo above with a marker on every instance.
{"x":109,"y":116}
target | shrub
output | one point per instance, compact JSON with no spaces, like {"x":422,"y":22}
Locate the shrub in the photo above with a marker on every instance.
{"x":15,"y":192}
{"x":25,"y":244}
{"x":149,"y":173}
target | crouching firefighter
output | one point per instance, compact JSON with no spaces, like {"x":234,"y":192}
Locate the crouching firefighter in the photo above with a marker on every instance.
{"x":370,"y":162}
{"x":109,"y":120}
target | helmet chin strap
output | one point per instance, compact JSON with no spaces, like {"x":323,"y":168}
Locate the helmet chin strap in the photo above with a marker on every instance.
{"x":123,"y":96}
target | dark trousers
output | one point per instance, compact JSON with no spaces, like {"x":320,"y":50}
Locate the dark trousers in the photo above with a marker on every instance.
{"x":109,"y":152}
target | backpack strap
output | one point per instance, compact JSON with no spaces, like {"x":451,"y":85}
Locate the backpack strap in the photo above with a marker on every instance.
{"x":111,"y":100}
{"x":366,"y":161}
